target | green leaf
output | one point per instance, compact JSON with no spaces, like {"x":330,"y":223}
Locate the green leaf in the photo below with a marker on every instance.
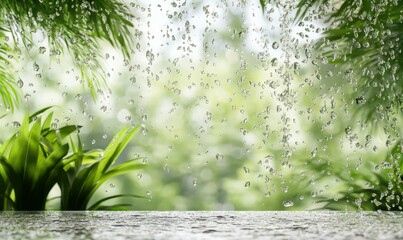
{"x":39,"y":112}
{"x":15,"y":179}
{"x":116,"y":207}
{"x":120,"y":169}
{"x":81,"y":187}
{"x":50,"y":168}
{"x":262,"y":4}
{"x":97,"y":204}
{"x":25,"y":150}
{"x":90,"y":178}
{"x":118,"y":143}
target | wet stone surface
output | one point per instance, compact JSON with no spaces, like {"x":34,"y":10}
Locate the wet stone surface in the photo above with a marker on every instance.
{"x":201,"y":225}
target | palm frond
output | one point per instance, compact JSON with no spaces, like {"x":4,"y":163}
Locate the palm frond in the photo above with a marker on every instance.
{"x":367,"y":39}
{"x":75,"y":26}
{"x":8,"y":88}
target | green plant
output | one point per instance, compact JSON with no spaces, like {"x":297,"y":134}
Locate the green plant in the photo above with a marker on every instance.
{"x":76,"y":26}
{"x":80,"y":183}
{"x":361,"y":45}
{"x":4,"y":189}
{"x":32,"y":159}
{"x":372,"y":186}
{"x":365,"y":38}
{"x":37,"y":158}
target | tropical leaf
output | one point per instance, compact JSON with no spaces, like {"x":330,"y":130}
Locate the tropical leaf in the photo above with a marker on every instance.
{"x":4,"y":187}
{"x":25,"y":149}
{"x":36,"y":114}
{"x":91,"y":176}
{"x":113,"y":150}
{"x":32,"y":163}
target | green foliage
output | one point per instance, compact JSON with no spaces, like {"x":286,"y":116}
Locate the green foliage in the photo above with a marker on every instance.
{"x":37,"y":158}
{"x":372,"y":186}
{"x":8,"y":90}
{"x":74,"y":25}
{"x":365,"y":37}
{"x":81,"y":184}
{"x":32,"y":160}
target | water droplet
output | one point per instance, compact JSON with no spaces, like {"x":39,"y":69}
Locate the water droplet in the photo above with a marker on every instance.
{"x":314,"y":152}
{"x":16,"y":124}
{"x":42,"y":50}
{"x":288,"y":203}
{"x":20,"y":83}
{"x":357,"y":45}
{"x":247,"y":184}
{"x":246,"y":170}
{"x":144,"y":131}
{"x":144,"y":117}
{"x":360,"y":100}
{"x":195,"y":182}
{"x":274,"y":62}
{"x":219,"y":156}
{"x":275,"y":45}
{"x":35,"y":67}
{"x":348,"y":130}
{"x":112,"y":185}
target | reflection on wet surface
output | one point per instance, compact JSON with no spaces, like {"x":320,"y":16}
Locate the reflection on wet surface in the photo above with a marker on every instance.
{"x":201,"y":225}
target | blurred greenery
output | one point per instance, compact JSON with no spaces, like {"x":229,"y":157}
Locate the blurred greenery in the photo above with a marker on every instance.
{"x":240,"y":109}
